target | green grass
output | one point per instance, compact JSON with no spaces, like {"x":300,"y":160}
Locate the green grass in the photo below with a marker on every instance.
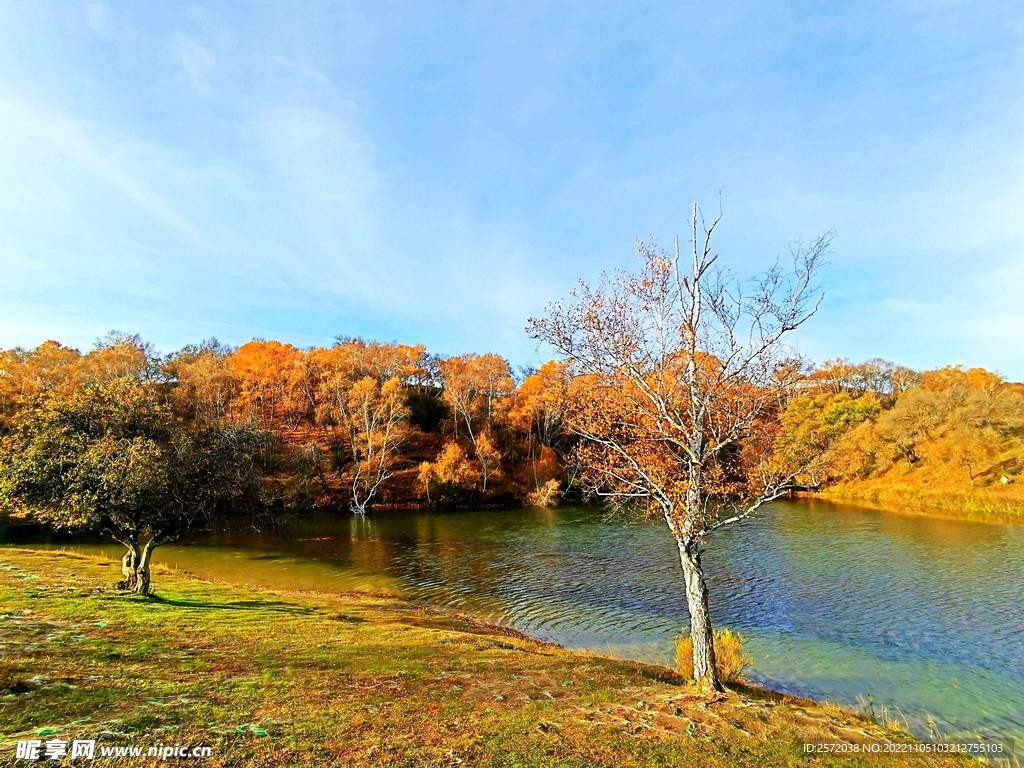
{"x":356,"y":679}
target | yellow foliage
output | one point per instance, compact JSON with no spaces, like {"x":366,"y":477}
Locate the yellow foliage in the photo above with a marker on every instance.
{"x":488,"y":455}
{"x":26,"y":373}
{"x":943,"y":379}
{"x":425,"y":472}
{"x":730,"y":659}
{"x":452,"y":467}
{"x":949,"y":432}
{"x":266,"y":372}
{"x":545,"y":496}
{"x":475,"y":388}
{"x":540,"y":402}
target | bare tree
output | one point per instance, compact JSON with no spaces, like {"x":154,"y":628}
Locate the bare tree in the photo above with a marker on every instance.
{"x":677,"y":378}
{"x":375,"y":418}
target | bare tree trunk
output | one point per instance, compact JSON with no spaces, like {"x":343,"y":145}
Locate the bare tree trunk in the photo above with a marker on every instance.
{"x":129,"y":564}
{"x":358,"y":504}
{"x":128,"y":569}
{"x":142,"y":571}
{"x":705,"y":671}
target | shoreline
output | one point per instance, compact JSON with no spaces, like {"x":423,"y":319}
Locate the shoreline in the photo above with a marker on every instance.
{"x":941,"y":506}
{"x":246,"y":656}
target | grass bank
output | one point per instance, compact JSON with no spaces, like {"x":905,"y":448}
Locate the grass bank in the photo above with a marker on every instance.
{"x":996,"y":504}
{"x":276,"y":678}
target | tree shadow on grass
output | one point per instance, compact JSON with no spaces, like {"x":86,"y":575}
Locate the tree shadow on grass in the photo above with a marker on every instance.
{"x":276,"y":606}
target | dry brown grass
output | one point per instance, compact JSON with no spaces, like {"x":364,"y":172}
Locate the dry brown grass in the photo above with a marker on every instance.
{"x":730,"y":658}
{"x":12,"y":679}
{"x":925,"y":495}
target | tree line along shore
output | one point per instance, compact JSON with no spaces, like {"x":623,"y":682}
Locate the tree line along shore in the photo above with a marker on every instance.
{"x":361,"y":423}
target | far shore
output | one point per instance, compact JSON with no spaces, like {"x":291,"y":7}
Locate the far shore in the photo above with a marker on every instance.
{"x":985,"y":505}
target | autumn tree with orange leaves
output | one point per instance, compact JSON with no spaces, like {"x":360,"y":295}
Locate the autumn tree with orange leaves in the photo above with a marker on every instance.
{"x":204,"y":386}
{"x":472,"y":386}
{"x":475,"y":388}
{"x":354,"y":393}
{"x":381,"y":360}
{"x":538,"y":409}
{"x":266,"y":373}
{"x":25,"y":373}
{"x":675,"y":378}
{"x":540,"y":402}
{"x":488,"y":455}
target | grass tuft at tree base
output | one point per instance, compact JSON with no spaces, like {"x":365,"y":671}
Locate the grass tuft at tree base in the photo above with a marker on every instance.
{"x":730,"y":659}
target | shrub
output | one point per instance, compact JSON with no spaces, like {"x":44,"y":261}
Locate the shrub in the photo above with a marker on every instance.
{"x":729,"y":656}
{"x":545,"y":496}
{"x":10,"y":679}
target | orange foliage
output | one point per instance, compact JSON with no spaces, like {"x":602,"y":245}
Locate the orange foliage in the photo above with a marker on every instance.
{"x":488,"y":455}
{"x":204,"y":386}
{"x":267,"y":373}
{"x":342,"y":410}
{"x":382,"y":361}
{"x":540,"y":402}
{"x":376,"y":421}
{"x":957,"y":428}
{"x":638,"y":445}
{"x":955,"y":376}
{"x":474,"y":385}
{"x":25,"y":373}
{"x":116,"y":356}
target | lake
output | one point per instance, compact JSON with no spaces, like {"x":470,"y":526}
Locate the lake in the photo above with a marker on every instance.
{"x":902,"y":615}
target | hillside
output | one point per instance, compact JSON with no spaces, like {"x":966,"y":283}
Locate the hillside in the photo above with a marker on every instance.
{"x":951,"y":442}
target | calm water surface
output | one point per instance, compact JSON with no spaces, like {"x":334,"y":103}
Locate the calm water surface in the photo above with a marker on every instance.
{"x":914,"y":616}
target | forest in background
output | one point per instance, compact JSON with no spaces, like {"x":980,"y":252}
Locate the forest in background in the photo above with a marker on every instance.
{"x":948,"y":440}
{"x":364,"y":424}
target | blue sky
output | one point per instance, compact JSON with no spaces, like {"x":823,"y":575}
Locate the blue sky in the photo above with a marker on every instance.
{"x":436,"y":173}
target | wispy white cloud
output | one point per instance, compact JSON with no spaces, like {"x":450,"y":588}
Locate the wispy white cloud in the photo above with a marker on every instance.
{"x":95,"y":14}
{"x":28,"y":134}
{"x":451,"y":277}
{"x":195,"y":60}
{"x":307,"y":72}
{"x":332,"y":188}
